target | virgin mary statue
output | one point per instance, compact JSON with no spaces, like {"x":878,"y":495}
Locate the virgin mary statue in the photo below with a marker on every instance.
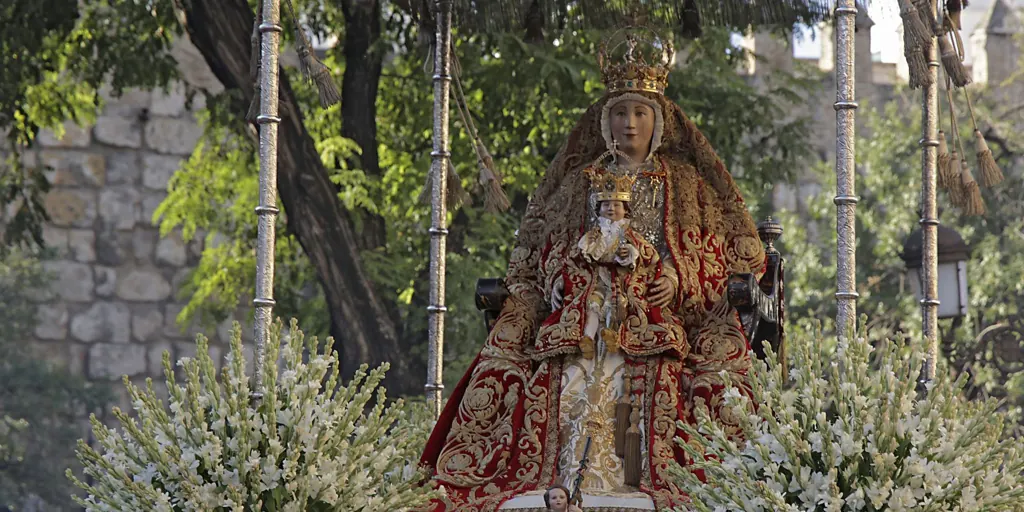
{"x":517,"y":421}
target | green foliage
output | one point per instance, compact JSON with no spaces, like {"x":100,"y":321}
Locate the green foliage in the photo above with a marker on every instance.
{"x":213,"y":194}
{"x":40,"y":405}
{"x":311,"y":443}
{"x":57,"y":55}
{"x":889,"y":186}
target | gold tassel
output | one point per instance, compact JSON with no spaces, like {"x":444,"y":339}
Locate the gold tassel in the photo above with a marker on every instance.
{"x":973,"y":203}
{"x":632,"y":465}
{"x":622,"y":410}
{"x":318,"y":73}
{"x":587,"y":347}
{"x":988,"y":170}
{"x":455,"y":193}
{"x":951,"y":62}
{"x":928,"y":18}
{"x":956,"y":187}
{"x":495,"y":199}
{"x":943,"y":163}
{"x":913,"y":25}
{"x":917,"y":64}
{"x":611,"y":339}
{"x":312,"y":69}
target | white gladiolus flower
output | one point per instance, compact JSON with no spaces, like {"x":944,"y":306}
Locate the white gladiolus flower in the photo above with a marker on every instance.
{"x":849,"y":432}
{"x":304,"y":445}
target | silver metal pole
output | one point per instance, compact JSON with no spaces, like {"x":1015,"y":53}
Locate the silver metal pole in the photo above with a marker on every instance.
{"x":438,"y":211}
{"x":929,"y":211}
{"x":845,"y":200}
{"x":268,"y":120}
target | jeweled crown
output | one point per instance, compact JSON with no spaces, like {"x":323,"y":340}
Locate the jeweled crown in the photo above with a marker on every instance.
{"x":635,"y":59}
{"x":608,"y":186}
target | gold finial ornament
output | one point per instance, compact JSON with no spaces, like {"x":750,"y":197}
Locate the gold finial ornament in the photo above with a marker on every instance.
{"x":608,"y":186}
{"x":635,"y":59}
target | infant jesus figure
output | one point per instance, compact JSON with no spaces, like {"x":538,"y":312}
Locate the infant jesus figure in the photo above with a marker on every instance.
{"x":605,"y":284}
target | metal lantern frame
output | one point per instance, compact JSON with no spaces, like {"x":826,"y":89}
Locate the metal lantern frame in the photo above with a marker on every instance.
{"x":952,"y":254}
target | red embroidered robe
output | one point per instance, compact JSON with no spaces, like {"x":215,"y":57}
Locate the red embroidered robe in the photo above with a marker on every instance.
{"x":497,"y":436}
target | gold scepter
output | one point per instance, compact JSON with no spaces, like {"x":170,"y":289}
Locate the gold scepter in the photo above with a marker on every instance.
{"x":577,"y":492}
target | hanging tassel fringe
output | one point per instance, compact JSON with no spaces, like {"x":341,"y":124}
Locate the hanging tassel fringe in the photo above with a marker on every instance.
{"x":988,"y":170}
{"x":632,"y":464}
{"x":316,"y":72}
{"x":973,"y":203}
{"x":956,"y":187}
{"x":914,"y":29}
{"x":312,"y":69}
{"x":928,"y":18}
{"x":943,"y":166}
{"x":917,"y":64}
{"x":495,"y":199}
{"x":622,"y":412}
{"x":952,"y":63}
{"x":455,"y":193}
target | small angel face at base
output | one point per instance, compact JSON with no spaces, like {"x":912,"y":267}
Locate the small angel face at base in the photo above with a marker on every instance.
{"x":632,"y":124}
{"x":612,"y":210}
{"x":557,"y":498}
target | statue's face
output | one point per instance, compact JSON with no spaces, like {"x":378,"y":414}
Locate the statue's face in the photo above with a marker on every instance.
{"x":613,"y":210}
{"x":558,"y":500}
{"x":632,"y":124}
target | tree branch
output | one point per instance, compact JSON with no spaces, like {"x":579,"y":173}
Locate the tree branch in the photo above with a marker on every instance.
{"x":361,"y":320}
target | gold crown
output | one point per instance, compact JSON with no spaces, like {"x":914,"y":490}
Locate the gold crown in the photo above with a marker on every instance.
{"x":608,"y":186}
{"x":638,"y":69}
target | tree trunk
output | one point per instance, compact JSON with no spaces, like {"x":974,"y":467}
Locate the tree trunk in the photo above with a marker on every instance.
{"x":360,"y":319}
{"x":359,"y":97}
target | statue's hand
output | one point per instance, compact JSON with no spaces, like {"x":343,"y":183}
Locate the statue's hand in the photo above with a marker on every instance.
{"x":661,"y":292}
{"x":557,"y":294}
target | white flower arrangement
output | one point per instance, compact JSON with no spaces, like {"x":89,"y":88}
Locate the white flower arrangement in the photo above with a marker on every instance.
{"x":852,"y":433}
{"x":311,"y":444}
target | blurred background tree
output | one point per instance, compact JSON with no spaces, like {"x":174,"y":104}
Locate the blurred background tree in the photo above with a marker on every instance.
{"x":49,"y":401}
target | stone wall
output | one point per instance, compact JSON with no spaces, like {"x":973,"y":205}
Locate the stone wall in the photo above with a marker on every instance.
{"x":996,"y":47}
{"x":114,"y":302}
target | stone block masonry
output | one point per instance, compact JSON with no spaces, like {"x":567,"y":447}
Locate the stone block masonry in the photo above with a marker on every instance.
{"x":114,"y":301}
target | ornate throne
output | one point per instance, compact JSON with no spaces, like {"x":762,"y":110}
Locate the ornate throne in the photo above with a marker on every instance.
{"x":760,"y":303}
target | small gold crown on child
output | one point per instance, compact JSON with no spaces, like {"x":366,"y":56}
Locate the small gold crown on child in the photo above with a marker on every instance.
{"x":608,"y":186}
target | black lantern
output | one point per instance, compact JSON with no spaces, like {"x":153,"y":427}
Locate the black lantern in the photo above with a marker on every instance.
{"x":953,"y":254}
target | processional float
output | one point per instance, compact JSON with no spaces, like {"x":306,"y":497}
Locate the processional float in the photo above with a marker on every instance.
{"x":939,"y":33}
{"x":266,"y":34}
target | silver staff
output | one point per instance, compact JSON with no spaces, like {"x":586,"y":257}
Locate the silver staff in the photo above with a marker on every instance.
{"x":845,"y":200}
{"x":929,"y":211}
{"x":438,"y":211}
{"x":270,"y":39}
